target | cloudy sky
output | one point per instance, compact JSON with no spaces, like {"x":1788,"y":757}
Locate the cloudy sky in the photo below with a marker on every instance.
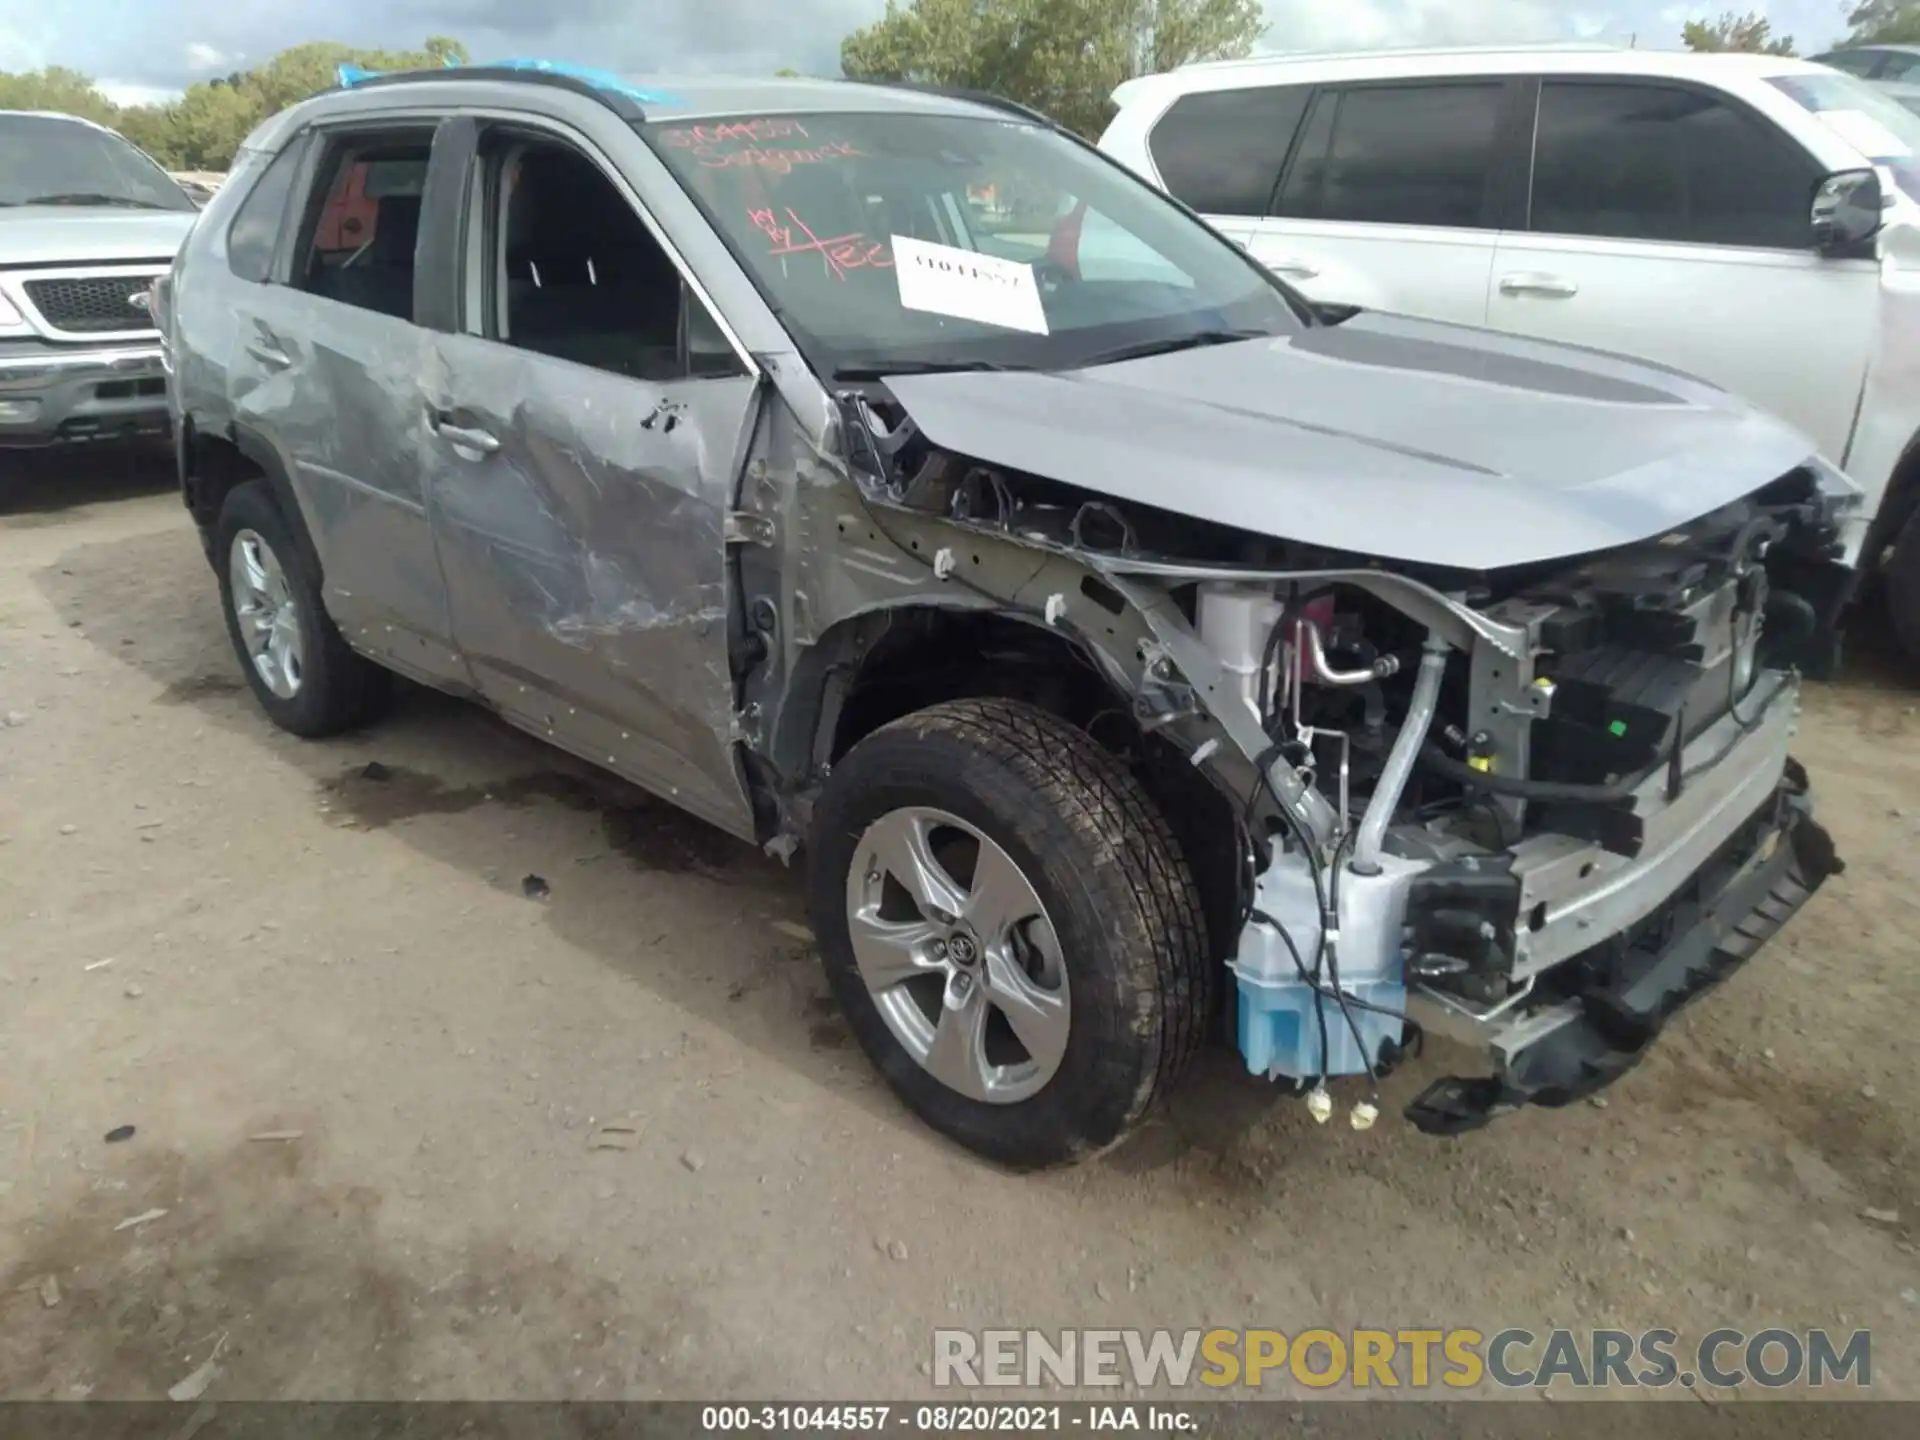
{"x":143,"y":49}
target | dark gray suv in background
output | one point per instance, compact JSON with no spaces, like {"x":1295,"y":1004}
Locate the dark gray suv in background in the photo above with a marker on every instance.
{"x":1135,"y":653}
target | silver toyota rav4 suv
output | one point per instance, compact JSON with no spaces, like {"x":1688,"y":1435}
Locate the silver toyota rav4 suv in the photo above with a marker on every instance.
{"x":1137,"y":655}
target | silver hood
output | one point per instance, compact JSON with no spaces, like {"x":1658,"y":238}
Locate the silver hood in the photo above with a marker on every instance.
{"x":1390,"y":437}
{"x":79,"y":235}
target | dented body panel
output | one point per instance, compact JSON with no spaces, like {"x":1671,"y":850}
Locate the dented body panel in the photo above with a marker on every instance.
{"x":361,"y":487}
{"x":584,"y":565}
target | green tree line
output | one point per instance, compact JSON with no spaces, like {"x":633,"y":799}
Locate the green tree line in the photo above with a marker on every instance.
{"x":1752,"y":33}
{"x":202,"y":129}
{"x":1062,"y":57}
{"x":1869,"y":22}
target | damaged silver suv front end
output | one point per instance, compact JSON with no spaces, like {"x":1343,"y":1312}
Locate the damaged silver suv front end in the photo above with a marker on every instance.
{"x":1534,"y":807}
{"x":1553,"y":925}
{"x":1464,"y":668}
{"x":1135,"y":655}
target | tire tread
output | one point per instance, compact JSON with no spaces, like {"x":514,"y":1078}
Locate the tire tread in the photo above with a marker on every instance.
{"x":1139,"y":860}
{"x":1902,"y":582}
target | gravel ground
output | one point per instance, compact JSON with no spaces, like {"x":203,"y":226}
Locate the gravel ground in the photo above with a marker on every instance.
{"x":216,"y":934}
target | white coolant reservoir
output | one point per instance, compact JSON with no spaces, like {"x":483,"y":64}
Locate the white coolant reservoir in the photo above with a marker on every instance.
{"x":1234,"y":622}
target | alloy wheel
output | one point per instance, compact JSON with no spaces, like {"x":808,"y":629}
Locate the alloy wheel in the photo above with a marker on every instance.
{"x":268,"y":614}
{"x":956,"y":949}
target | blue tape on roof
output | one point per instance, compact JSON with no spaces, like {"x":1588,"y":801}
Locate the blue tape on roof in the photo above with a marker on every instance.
{"x":599,"y":79}
{"x":351,"y":75}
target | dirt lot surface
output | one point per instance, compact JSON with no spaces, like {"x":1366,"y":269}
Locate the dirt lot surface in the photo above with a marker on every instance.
{"x":216,"y":934}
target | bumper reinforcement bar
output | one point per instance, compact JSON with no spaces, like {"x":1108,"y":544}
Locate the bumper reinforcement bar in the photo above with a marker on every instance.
{"x":1736,"y":906}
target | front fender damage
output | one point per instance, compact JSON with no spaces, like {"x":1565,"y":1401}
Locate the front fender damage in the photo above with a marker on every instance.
{"x":1385,"y":799}
{"x":854,"y":554}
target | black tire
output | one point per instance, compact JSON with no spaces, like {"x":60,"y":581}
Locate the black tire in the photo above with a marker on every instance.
{"x":1902,"y":581}
{"x":1111,"y":876}
{"x":338,"y":689}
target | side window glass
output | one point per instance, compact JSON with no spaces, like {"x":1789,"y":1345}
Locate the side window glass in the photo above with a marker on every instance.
{"x":255,"y":232}
{"x":1854,"y":62}
{"x":1220,"y":151}
{"x":1659,"y":163}
{"x":1400,"y":155}
{"x":576,"y":273}
{"x":359,"y":245}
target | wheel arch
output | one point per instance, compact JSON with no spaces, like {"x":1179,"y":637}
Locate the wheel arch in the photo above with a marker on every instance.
{"x":876,"y":667}
{"x":214,"y":462}
{"x":873,"y":667}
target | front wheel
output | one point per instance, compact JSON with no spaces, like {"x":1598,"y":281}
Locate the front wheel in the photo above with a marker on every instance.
{"x":1902,"y":581}
{"x":1010,"y":928}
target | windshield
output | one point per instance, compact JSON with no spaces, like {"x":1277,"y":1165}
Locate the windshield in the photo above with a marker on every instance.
{"x":928,"y":241}
{"x":1882,"y":129}
{"x":45,"y":160}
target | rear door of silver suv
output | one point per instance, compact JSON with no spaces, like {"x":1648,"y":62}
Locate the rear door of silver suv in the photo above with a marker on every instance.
{"x":323,"y":367}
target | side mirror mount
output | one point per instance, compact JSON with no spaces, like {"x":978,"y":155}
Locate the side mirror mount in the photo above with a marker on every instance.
{"x":1849,"y":210}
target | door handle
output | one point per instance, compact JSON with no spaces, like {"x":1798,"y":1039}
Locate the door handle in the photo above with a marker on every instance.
{"x":465,"y":437}
{"x":1290,"y":265}
{"x":1528,"y":283}
{"x":269,"y":355}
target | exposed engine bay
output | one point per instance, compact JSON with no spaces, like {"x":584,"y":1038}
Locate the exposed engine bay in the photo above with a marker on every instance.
{"x":1535,"y":808}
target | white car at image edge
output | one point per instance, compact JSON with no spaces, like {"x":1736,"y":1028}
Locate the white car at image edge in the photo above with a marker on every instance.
{"x":1654,"y":204}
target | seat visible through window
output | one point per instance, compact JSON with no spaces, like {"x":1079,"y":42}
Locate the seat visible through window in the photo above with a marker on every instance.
{"x":362,"y":250}
{"x":584,"y":278}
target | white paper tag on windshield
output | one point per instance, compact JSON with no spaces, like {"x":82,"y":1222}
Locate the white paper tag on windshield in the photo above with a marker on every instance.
{"x":967,"y":285}
{"x":1866,"y":134}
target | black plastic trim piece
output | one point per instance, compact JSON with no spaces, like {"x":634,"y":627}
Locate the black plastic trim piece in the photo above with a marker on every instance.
{"x":439,"y":276}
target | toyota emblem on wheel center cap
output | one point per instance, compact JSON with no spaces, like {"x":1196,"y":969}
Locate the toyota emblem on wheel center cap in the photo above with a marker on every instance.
{"x":963,"y":950}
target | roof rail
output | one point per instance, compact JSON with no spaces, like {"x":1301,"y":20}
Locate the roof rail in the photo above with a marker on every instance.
{"x":62,"y":115}
{"x":1287,"y":57}
{"x":624,"y":98}
{"x":974,"y":97}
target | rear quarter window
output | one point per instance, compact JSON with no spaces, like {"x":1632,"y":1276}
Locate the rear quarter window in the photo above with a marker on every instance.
{"x":1854,"y":62}
{"x":254,"y":235}
{"x":1221,"y":151}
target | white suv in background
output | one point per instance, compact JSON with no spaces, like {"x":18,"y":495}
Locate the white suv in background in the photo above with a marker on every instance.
{"x":1671,"y":206}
